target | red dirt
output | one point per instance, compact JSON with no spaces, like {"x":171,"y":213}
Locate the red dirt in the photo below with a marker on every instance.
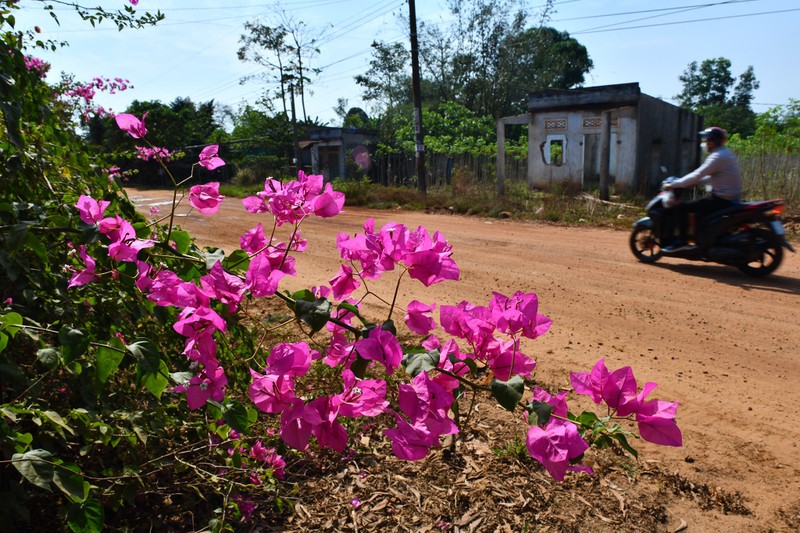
{"x":725,"y":346}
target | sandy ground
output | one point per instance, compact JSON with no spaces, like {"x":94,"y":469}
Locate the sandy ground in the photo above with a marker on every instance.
{"x":725,"y":346}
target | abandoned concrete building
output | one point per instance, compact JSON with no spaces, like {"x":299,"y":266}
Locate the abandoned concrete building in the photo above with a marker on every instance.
{"x":611,"y":136}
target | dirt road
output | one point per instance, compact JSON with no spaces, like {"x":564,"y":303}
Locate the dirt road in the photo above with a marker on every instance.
{"x":726,"y":346}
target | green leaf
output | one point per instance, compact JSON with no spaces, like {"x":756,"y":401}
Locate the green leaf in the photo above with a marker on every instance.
{"x":32,"y":466}
{"x":588,"y":419}
{"x":86,"y":517}
{"x":416,"y":363}
{"x":67,"y":478}
{"x":3,"y":341}
{"x":389,"y":326}
{"x":314,"y":314}
{"x":237,"y":260}
{"x":181,"y":378}
{"x":624,"y":443}
{"x":56,"y":419}
{"x":108,"y":360}
{"x":539,"y":413}
{"x":508,"y":393}
{"x":34,"y":243}
{"x":353,"y":309}
{"x":90,"y":233}
{"x":146,"y":355}
{"x":239,"y":417}
{"x":211,"y":256}
{"x":156,"y":382}
{"x":73,"y":343}
{"x":11,"y":322}
{"x":359,"y":367}
{"x":48,"y":357}
{"x":182,"y":240}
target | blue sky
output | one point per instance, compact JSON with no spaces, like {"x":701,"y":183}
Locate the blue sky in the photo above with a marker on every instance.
{"x":193,"y":52}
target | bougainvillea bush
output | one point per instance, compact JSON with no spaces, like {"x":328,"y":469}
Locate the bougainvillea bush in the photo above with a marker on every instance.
{"x":137,"y":368}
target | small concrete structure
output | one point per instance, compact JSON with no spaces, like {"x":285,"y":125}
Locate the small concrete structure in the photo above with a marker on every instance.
{"x":328,"y":150}
{"x":594,"y":137}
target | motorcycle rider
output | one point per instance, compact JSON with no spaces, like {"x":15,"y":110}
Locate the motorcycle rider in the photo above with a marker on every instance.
{"x":721,"y":171}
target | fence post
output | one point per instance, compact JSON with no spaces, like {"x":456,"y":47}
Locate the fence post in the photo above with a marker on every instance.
{"x":500,"y":164}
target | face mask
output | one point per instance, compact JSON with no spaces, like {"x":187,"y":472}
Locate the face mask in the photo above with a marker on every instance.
{"x":703,"y":147}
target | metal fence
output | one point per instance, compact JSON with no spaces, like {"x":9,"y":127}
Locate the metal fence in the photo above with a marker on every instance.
{"x":772,"y":175}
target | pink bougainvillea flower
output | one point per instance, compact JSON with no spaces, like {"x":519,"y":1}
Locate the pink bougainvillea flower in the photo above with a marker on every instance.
{"x":254,"y":240}
{"x":209,"y":158}
{"x":91,"y":210}
{"x":381,"y":346}
{"x":226,"y":288}
{"x":330,"y":433}
{"x":555,"y":445}
{"x":344,"y":283}
{"x":202,"y":348}
{"x":208,"y":384}
{"x":270,"y":457}
{"x":296,"y":200}
{"x":410,"y":442}
{"x":418,"y":318}
{"x":591,"y":383}
{"x":451,"y":360}
{"x":271,"y":393}
{"x":206,"y":198}
{"x":86,"y":275}
{"x":132,"y":125}
{"x":289,"y":359}
{"x":620,"y":391}
{"x":329,"y":203}
{"x":558,"y":403}
{"x":124,"y":244}
{"x":193,"y":322}
{"x":426,"y":402}
{"x":361,"y":397}
{"x":338,"y":350}
{"x":134,"y":2}
{"x":297,"y":423}
{"x":656,"y":421}
{"x":507,"y":354}
{"x":519,"y":313}
{"x":262,"y":278}
{"x":167,"y":289}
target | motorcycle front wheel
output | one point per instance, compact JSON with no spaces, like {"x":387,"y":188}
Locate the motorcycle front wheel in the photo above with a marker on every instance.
{"x":645,"y":245}
{"x":767,"y":256}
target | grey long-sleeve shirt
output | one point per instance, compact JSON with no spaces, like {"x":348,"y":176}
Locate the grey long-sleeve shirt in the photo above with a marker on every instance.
{"x":721,"y":170}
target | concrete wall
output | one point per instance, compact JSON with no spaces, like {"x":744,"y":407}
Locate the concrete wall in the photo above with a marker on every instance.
{"x":581,"y":132}
{"x":667,"y":137}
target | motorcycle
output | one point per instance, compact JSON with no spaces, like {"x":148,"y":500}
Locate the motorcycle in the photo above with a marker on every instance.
{"x":749,"y":236}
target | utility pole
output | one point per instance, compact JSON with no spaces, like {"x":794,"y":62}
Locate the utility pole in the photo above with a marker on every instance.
{"x":419,"y":136}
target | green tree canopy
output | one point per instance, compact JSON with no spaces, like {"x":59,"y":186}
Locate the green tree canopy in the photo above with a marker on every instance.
{"x":712,"y":91}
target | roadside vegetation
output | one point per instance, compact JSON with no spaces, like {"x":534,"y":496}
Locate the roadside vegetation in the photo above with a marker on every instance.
{"x":107,"y":421}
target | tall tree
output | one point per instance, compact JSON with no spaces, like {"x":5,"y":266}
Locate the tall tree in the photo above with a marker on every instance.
{"x":712,"y":91}
{"x":490,"y":58}
{"x":286,"y":50}
{"x":387,"y":82}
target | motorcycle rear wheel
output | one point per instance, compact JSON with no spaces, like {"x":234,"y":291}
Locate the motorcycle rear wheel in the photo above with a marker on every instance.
{"x":645,"y":245}
{"x":770,"y":256}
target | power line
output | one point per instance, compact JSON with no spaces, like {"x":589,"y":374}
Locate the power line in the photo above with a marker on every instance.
{"x":714,"y":19}
{"x":643,"y":11}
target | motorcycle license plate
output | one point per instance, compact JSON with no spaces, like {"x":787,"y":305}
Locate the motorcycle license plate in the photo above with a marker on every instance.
{"x":777,"y":227}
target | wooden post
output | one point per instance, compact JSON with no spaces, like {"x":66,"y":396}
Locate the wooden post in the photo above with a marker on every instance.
{"x":419,"y":136}
{"x":501,"y":157}
{"x":605,"y":155}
